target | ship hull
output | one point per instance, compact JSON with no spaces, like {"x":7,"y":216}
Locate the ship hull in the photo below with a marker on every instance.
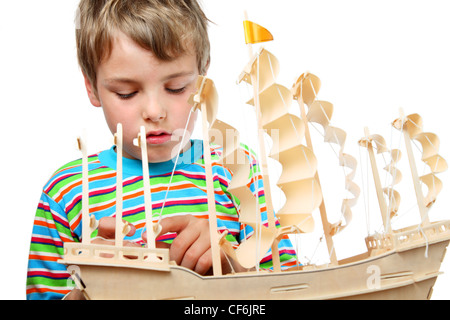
{"x":406,"y":273}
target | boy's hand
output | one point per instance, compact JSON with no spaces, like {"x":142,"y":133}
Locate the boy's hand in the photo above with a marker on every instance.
{"x":107,"y":233}
{"x":192,"y":247}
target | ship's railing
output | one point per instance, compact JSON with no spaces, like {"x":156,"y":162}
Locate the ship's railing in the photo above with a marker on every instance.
{"x":409,"y":236}
{"x":119,"y":256}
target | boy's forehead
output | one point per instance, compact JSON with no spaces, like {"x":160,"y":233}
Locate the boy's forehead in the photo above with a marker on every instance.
{"x":127,"y":59}
{"x":121,"y":43}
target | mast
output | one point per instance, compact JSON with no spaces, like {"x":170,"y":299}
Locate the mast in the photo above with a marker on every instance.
{"x":121,"y":228}
{"x":253,"y":249}
{"x":411,"y":128}
{"x":260,"y":36}
{"x":215,"y":251}
{"x":327,"y":227}
{"x":405,"y":124}
{"x":142,"y":143}
{"x":86,"y":223}
{"x":208,"y":110}
{"x":367,"y":142}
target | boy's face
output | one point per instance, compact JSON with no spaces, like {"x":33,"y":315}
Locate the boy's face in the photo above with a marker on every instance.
{"x":136,"y":89}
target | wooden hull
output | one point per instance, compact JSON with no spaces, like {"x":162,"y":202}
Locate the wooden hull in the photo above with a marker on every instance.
{"x":404,"y":273}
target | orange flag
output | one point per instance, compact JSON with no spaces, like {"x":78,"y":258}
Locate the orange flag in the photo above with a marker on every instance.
{"x":254,"y":33}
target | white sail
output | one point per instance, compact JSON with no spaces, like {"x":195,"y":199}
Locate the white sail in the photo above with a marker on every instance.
{"x":306,"y":88}
{"x":252,"y":250}
{"x":390,"y":207}
{"x":412,"y":125}
{"x":298,"y":179}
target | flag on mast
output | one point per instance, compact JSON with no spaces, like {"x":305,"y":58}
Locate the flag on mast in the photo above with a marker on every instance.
{"x":254,"y":33}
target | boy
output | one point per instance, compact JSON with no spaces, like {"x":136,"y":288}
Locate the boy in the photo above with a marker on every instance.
{"x":140,"y":60}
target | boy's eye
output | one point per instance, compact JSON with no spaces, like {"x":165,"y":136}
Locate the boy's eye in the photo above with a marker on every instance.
{"x":176,"y":91}
{"x":126,"y":96}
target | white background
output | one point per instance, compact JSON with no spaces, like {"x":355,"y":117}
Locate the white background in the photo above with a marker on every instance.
{"x":371,"y":56}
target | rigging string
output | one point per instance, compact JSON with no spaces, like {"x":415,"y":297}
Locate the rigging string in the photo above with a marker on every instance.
{"x":435,"y":149}
{"x":296,"y":235}
{"x":284,"y":102}
{"x":387,"y":213}
{"x":323,"y":234}
{"x":331,"y":146}
{"x":391,"y":197}
{"x":419,"y":226}
{"x":296,"y":132}
{"x":418,"y":126}
{"x":175,"y":164}
{"x":366,"y":208}
{"x":254,"y":178}
{"x":426,"y":240}
{"x":315,"y":99}
{"x":246,"y":133}
{"x":173,"y":172}
{"x":258,"y":215}
{"x":329,"y":121}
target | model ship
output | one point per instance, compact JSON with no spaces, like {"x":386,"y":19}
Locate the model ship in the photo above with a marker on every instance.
{"x":398,"y":264}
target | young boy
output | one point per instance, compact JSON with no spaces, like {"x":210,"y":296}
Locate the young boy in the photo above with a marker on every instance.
{"x":140,"y":60}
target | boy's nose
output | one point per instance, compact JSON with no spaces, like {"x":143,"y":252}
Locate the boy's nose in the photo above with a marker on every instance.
{"x":153,"y":110}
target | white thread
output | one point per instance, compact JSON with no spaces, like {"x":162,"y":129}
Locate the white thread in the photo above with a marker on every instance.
{"x":426,"y":241}
{"x":175,"y":165}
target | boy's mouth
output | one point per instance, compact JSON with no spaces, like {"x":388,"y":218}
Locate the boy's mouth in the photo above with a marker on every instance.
{"x":158,"y":137}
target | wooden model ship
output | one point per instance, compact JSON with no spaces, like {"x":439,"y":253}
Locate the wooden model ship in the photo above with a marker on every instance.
{"x":398,"y":264}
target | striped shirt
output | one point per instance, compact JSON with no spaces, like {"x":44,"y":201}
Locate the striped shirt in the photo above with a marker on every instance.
{"x":58,"y":216}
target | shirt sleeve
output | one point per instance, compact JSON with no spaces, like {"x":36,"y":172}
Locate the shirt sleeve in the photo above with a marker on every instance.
{"x":46,"y":278}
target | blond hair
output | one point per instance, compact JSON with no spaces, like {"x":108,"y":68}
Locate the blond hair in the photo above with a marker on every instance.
{"x":165,"y":27}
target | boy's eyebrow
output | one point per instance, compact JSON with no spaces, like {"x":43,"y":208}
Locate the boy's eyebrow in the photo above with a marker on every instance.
{"x":123,"y":80}
{"x":179,"y":74}
{"x":169,"y":77}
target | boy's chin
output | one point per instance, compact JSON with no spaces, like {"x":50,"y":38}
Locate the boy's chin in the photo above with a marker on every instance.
{"x":161,"y":153}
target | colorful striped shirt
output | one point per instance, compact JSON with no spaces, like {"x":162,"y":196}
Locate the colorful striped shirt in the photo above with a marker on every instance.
{"x":58,"y":216}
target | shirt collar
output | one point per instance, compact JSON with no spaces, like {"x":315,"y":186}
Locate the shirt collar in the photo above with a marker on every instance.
{"x":134,"y":167}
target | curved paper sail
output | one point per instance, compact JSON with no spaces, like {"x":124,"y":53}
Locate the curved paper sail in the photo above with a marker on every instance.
{"x":413,"y":125}
{"x":307,"y":86}
{"x":264,"y":66}
{"x":298,"y":180}
{"x":321,"y":112}
{"x":392,"y":195}
{"x":252,"y":250}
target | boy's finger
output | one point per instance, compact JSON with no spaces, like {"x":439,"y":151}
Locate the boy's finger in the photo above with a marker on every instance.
{"x":174,"y":224}
{"x":169,"y":225}
{"x":204,"y":263}
{"x":107,"y":228}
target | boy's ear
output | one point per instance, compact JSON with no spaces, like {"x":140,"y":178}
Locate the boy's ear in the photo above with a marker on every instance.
{"x":205,"y":69}
{"x":92,"y":94}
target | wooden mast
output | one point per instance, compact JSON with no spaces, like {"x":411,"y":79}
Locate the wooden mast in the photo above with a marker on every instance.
{"x":366,"y":142}
{"x":263,"y":156}
{"x":86,"y":221}
{"x":142,"y":143}
{"x":121,"y":227}
{"x":412,"y":164}
{"x":297,"y":91}
{"x":323,"y":212}
{"x":196,"y":100}
{"x":215,"y":250}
